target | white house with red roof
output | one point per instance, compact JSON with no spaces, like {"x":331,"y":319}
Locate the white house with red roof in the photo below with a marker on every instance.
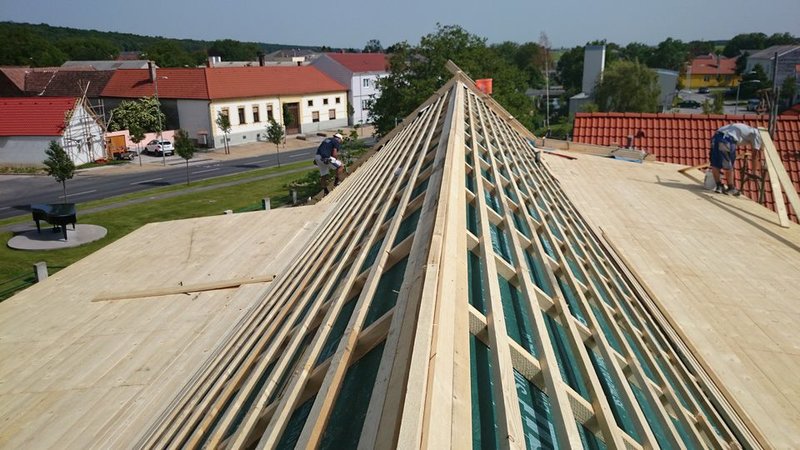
{"x":28,"y":124}
{"x":303,"y":99}
{"x":360,"y":72}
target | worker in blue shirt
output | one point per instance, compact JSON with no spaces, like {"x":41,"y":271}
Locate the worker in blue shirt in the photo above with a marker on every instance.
{"x":327,"y":159}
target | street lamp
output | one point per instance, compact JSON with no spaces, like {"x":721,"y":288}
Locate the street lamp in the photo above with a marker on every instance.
{"x":155,"y":76}
{"x":738,"y":87}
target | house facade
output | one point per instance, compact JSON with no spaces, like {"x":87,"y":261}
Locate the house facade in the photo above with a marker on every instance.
{"x":29,"y":124}
{"x":788,"y":64}
{"x":301,"y":98}
{"x":710,"y":71}
{"x":360,"y":72}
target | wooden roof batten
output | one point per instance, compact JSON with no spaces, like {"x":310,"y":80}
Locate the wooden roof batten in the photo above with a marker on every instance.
{"x":545,"y":301}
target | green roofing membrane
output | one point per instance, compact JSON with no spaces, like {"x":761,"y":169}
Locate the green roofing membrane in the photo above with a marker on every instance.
{"x":567,"y":363}
{"x":484,"y":414}
{"x":613,"y":395}
{"x":518,"y":323}
{"x":476,"y":289}
{"x":387,"y":291}
{"x":348,"y":413}
{"x":500,"y":242}
{"x":537,"y":417}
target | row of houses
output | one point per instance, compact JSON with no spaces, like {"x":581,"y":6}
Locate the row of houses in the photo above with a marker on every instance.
{"x":332,"y":92}
{"x":717,"y":71}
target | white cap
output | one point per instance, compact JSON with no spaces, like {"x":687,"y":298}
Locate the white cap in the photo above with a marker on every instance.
{"x":337,"y":135}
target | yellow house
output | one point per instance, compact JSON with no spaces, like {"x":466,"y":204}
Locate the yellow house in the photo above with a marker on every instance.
{"x":710,"y":71}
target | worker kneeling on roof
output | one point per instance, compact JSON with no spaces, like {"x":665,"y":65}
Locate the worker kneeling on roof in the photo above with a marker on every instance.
{"x":326,"y":159}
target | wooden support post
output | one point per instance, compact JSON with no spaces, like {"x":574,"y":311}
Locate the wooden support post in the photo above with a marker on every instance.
{"x":778,"y":172}
{"x":40,"y":270}
{"x":265,"y":204}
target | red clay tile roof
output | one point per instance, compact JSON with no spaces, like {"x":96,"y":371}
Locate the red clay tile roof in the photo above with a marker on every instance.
{"x":180,"y":83}
{"x":34,"y":116}
{"x":221,"y":82}
{"x":708,"y":65}
{"x":362,"y":62}
{"x":238,"y":82}
{"x":685,"y":138}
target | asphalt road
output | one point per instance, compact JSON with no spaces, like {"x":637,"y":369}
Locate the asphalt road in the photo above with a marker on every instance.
{"x":19,"y":191}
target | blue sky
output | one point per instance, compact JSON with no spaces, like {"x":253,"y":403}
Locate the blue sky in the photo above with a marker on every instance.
{"x":349,"y":23}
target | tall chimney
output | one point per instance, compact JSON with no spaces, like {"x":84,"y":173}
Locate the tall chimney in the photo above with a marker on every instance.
{"x":152,"y":68}
{"x":594,"y":60}
{"x":262,"y":59}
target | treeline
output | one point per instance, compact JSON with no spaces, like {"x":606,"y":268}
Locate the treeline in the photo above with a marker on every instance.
{"x":44,"y":46}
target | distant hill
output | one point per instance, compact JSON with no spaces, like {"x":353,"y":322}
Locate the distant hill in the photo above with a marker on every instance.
{"x":42,"y":44}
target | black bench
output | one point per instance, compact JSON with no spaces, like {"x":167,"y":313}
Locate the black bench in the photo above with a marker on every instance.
{"x":56,"y":214}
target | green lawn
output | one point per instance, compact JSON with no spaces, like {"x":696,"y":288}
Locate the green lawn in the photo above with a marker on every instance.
{"x":16,"y":267}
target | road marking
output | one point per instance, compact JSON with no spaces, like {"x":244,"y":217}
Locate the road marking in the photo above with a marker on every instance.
{"x":204,"y":171}
{"x":259,"y":162}
{"x":146,"y":181}
{"x":79,"y":193}
{"x":298,"y":156}
{"x":5,"y":208}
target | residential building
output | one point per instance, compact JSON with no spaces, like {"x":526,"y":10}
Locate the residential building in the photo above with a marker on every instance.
{"x":28,"y":124}
{"x":301,"y":98}
{"x":710,"y":70}
{"x":685,"y":139}
{"x":109,"y":65}
{"x":788,"y":59}
{"x":360,"y":72}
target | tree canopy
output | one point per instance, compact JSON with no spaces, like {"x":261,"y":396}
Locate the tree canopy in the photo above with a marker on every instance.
{"x":184,"y":148}
{"x":418,"y":71}
{"x":170,"y":54}
{"x":627,"y":86}
{"x":373,"y":46}
{"x":231,"y":50}
{"x":142,"y":115}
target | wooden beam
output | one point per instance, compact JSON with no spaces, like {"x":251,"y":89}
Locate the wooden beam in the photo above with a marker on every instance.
{"x":182,"y":289}
{"x":776,"y":170}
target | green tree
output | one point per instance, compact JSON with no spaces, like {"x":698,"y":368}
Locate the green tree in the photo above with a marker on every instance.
{"x":22,"y":47}
{"x":230,"y":50}
{"x":59,"y":165}
{"x":168,"y":53}
{"x":224,"y":124}
{"x":373,"y":46}
{"x":788,"y":91}
{"x":636,"y":51}
{"x":781,"y":39}
{"x":88,"y":49}
{"x":184,"y":148}
{"x":697,"y":48}
{"x":627,"y":86}
{"x":416,"y":73}
{"x":753,"y":81}
{"x":137,"y":116}
{"x":275,"y":135}
{"x":669,"y":54}
{"x":569,"y":70}
{"x":746,"y":41}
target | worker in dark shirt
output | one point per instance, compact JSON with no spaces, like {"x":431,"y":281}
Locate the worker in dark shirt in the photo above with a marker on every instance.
{"x":327,"y":159}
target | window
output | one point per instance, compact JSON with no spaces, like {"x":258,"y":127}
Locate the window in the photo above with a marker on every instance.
{"x":315,"y":116}
{"x":256,"y":115}
{"x":338,"y":100}
{"x":225,"y":112}
{"x":331,"y":114}
{"x":365,"y":82}
{"x":365,"y":104}
{"x":269,"y":113}
{"x":311,"y":103}
{"x":241,"y":115}
{"x":324,"y":101}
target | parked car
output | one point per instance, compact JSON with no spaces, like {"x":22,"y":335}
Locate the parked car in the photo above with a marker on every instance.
{"x":155,"y":147}
{"x":752,"y":104}
{"x":703,"y":90}
{"x":689,"y":104}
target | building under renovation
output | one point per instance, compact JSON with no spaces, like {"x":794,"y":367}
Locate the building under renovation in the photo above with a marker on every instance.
{"x":461,"y":289}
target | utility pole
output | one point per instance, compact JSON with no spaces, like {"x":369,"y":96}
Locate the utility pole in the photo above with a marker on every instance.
{"x":773,"y":109}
